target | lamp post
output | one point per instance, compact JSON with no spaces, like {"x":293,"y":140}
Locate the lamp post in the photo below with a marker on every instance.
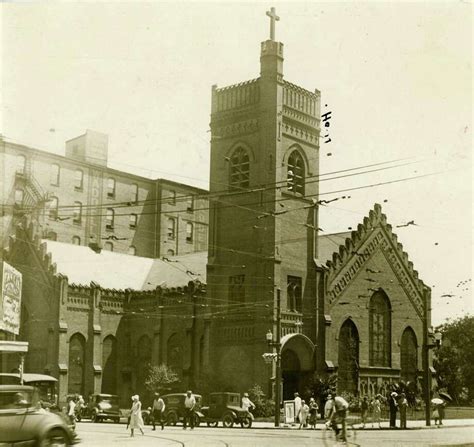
{"x":276,"y":356}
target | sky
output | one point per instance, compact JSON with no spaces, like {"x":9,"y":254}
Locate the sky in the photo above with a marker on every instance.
{"x":396,"y":76}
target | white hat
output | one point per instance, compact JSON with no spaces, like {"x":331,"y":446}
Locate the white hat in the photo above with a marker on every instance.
{"x":135,"y":397}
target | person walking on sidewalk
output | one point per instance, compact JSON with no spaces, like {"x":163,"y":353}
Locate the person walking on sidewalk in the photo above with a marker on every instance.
{"x":303,"y":414}
{"x":158,"y":409}
{"x":376,"y":410}
{"x":393,"y":405}
{"x":297,"y":406}
{"x":364,"y":409}
{"x":136,"y":420}
{"x":189,"y":404}
{"x":403,"y":406}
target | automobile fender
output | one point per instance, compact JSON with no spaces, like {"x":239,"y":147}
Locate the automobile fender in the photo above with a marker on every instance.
{"x":200,"y":414}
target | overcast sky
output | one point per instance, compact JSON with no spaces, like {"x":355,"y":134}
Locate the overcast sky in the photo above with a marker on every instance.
{"x":396,"y":77}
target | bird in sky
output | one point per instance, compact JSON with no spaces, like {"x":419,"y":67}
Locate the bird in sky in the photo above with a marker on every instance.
{"x":447,"y":295}
{"x":411,"y":222}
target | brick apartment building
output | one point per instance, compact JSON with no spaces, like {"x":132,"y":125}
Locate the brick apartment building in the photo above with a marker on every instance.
{"x":78,"y":199}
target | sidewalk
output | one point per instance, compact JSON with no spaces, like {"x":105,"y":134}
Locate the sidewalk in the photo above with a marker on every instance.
{"x":447,"y":423}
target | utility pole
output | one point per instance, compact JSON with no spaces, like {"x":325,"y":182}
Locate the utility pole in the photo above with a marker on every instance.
{"x":278,"y":360}
{"x":426,"y":362}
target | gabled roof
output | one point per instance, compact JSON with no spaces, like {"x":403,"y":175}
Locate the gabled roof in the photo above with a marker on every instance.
{"x":119,"y":271}
{"x":330,"y":243}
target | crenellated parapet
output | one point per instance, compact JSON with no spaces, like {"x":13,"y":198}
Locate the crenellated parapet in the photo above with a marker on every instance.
{"x":374,"y":233}
{"x":235,"y":96}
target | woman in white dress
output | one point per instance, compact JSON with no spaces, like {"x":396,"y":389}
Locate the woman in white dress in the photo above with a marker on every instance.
{"x":136,"y":420}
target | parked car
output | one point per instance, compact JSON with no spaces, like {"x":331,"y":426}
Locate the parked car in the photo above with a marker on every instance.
{"x":24,"y":422}
{"x":103,"y":406}
{"x":174,"y":408}
{"x":226,"y":407}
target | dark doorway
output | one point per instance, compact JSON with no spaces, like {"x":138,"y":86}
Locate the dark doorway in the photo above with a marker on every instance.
{"x":348,"y":358}
{"x":291,"y":373}
{"x":77,"y":345}
{"x":109,"y":365}
{"x":408,"y":356}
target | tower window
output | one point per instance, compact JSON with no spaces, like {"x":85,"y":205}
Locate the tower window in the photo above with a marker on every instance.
{"x":111,"y":188}
{"x":239,"y":169}
{"x":189,"y":232}
{"x":295,"y":173}
{"x":294,"y":294}
{"x":54,"y":177}
{"x":109,"y":219}
{"x":237,"y":288}
{"x":78,"y":180}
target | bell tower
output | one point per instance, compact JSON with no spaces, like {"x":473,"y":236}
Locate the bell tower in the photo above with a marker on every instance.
{"x":263,"y":218}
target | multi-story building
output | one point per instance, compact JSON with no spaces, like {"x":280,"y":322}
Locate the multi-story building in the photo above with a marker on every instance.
{"x":78,"y":199}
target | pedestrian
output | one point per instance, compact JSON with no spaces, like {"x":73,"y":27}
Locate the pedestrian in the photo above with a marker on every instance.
{"x":403,"y":406}
{"x":364,"y":409}
{"x":158,"y":409}
{"x":313,"y":412}
{"x":438,"y":411}
{"x":189,"y":404}
{"x":328,"y":407}
{"x":441,"y":412}
{"x":377,"y":409}
{"x":247,"y":404}
{"x":79,"y":407}
{"x":393,"y":405}
{"x":136,"y":420}
{"x":297,"y":405}
{"x":71,"y":410}
{"x":303,"y":414}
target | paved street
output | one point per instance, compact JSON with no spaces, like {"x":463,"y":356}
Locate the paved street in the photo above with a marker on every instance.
{"x":105,"y":434}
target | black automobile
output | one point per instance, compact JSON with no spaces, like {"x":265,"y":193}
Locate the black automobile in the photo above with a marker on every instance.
{"x":226,"y":407}
{"x":174,"y":408}
{"x":103,"y":406}
{"x":24,"y":422}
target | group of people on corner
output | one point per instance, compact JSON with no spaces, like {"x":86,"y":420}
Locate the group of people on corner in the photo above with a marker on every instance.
{"x":75,"y":407}
{"x":135,"y":420}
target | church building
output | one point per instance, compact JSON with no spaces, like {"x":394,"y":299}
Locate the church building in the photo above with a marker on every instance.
{"x":349,"y":304}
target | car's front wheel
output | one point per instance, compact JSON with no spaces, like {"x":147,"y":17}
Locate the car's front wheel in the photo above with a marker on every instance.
{"x":55,"y":438}
{"x":94,"y":417}
{"x":212,"y":424}
{"x":228,"y":420}
{"x":171,"y":418}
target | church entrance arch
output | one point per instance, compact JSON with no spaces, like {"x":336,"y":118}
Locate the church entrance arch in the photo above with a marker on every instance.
{"x":297,"y":363}
{"x":77,"y":348}
{"x":348,"y":358}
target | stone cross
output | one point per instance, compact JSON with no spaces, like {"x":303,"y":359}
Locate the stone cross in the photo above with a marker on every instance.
{"x":273,"y":18}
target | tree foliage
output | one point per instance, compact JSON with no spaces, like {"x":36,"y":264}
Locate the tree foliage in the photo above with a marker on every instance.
{"x":160,"y":378}
{"x":454,"y":360}
{"x":264,"y":407}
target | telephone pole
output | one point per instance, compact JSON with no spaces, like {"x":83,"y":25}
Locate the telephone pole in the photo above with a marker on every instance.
{"x":278,"y":360}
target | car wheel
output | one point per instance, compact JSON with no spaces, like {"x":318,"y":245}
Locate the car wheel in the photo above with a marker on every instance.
{"x":197,"y":420}
{"x":171,"y":419}
{"x":246,"y":423}
{"x":117,"y":420}
{"x":227,"y":421}
{"x":55,"y":438}
{"x":94,"y":417}
{"x":212,"y":424}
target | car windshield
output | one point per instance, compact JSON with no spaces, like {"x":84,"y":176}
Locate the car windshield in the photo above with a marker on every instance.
{"x":112,"y":400}
{"x":16,"y":399}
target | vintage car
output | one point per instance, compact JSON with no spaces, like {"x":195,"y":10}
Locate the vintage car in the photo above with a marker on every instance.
{"x":24,"y":422}
{"x":226,"y":407}
{"x":174,"y":408}
{"x":103,"y":406}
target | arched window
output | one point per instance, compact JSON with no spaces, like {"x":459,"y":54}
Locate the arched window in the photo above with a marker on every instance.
{"x":54,"y":176}
{"x":189,"y":232}
{"x":348,"y":358}
{"x":109,"y":246}
{"x":239,"y":169}
{"x":76,"y":240}
{"x":294,"y":294}
{"x":109,"y":219}
{"x":408,"y":355}
{"x":19,"y":196}
{"x":77,"y":213}
{"x":77,"y":344}
{"x":53,"y":208}
{"x":134,"y":193}
{"x":110,"y":188}
{"x":380,"y":330}
{"x":20,"y":164}
{"x":109,"y":365}
{"x":296,"y":173}
{"x":132,"y":250}
{"x":78,"y":180}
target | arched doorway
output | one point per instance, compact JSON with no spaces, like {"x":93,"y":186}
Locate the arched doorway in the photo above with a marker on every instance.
{"x":77,"y":344}
{"x":348,"y":358}
{"x":296,"y":363}
{"x":408,"y":355}
{"x":109,"y":365}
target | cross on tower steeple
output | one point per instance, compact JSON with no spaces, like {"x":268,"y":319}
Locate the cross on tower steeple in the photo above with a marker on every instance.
{"x":273,"y":18}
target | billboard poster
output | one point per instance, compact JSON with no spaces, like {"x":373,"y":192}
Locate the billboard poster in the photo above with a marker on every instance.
{"x":10,"y":300}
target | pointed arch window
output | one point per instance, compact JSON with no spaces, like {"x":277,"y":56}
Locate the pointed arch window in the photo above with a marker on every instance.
{"x":239,"y":169}
{"x":296,"y":173}
{"x":380,"y":330}
{"x":348,"y":358}
{"x":408,"y":355}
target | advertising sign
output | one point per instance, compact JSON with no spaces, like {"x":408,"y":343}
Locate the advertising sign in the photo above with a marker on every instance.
{"x":290,"y":416}
{"x":10,"y":300}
